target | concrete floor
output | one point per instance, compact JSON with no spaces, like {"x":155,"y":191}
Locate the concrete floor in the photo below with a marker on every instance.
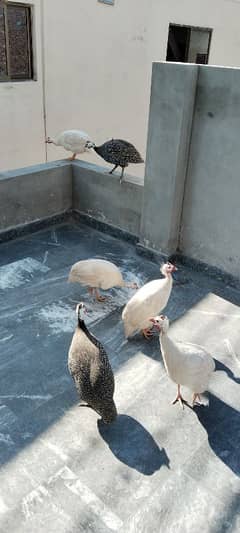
{"x":157,"y":468}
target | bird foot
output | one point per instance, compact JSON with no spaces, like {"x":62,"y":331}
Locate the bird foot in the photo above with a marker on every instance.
{"x":100,"y":298}
{"x":181,"y":400}
{"x":195,"y":397}
{"x":147,"y":333}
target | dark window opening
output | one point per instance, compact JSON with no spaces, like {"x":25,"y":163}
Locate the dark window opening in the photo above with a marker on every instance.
{"x":15,"y":42}
{"x":188,"y":44}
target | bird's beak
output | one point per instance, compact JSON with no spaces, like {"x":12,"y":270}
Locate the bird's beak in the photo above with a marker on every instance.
{"x":152,"y":320}
{"x":174,"y":268}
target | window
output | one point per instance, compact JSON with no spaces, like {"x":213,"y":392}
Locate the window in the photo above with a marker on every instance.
{"x":188,"y":44}
{"x":15,"y":42}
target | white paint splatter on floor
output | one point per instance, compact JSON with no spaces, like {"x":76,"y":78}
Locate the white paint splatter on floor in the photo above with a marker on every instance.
{"x":5,"y":339}
{"x":6,"y":439}
{"x":61,"y":317}
{"x":26,"y":397}
{"x":45,"y":258}
{"x":22,"y":271}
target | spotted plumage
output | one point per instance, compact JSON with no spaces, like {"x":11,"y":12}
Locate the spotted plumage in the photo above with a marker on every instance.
{"x":91,"y":371}
{"x":120,"y":153}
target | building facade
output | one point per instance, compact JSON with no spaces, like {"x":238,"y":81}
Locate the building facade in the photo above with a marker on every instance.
{"x":86,"y":64}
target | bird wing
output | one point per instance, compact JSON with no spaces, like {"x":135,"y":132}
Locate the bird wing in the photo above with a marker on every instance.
{"x":148,"y":301}
{"x":73,"y":140}
{"x":101,"y":375}
{"x":96,"y":273}
{"x":127,"y":151}
{"x":196,"y":366}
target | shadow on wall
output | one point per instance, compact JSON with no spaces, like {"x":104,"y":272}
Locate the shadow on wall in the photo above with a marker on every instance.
{"x":133,"y":445}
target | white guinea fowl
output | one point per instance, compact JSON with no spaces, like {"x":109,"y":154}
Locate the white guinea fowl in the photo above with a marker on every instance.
{"x":98,"y":274}
{"x":75,"y":141}
{"x":148,"y":301}
{"x":186,"y":364}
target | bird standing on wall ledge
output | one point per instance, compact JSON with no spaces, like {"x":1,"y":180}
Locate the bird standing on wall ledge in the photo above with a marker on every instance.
{"x":91,"y":371}
{"x":74,"y":141}
{"x":186,"y":364}
{"x":120,"y":153}
{"x":98,"y":274}
{"x":144,"y":304}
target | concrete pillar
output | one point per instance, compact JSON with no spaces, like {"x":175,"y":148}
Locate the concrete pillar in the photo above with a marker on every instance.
{"x":169,"y":133}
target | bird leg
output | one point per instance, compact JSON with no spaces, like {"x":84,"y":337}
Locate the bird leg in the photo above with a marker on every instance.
{"x":114,"y":168}
{"x":179,"y":398}
{"x":147,"y":333}
{"x":196,"y":396}
{"x":90,"y":290}
{"x":121,"y":177}
{"x":72,"y":157}
{"x":98,"y":296}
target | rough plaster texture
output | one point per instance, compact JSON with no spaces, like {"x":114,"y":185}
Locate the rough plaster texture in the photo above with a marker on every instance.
{"x":34,"y":193}
{"x":169,"y":130}
{"x":210,"y":223}
{"x":158,"y":467}
{"x":101,"y":196}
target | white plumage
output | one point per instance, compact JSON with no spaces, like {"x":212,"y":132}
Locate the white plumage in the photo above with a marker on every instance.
{"x":75,"y":141}
{"x":98,"y":274}
{"x":186,"y":364}
{"x":148,"y":301}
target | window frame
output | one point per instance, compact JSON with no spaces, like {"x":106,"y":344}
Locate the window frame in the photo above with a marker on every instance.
{"x":31,"y":76}
{"x":191,"y":27}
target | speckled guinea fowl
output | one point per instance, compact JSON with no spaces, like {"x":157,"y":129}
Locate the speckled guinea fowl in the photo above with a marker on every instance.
{"x":120,"y":153}
{"x":91,"y":371}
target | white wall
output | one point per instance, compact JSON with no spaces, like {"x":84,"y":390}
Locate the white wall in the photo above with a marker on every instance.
{"x":21,"y":112}
{"x":98,"y":61}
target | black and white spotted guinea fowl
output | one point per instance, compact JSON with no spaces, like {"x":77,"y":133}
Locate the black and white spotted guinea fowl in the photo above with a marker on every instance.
{"x":120,"y":153}
{"x":91,"y":371}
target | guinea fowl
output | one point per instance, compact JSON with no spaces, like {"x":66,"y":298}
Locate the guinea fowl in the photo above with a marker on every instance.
{"x":91,"y":371}
{"x":186,"y":364}
{"x":120,"y":153}
{"x":75,"y":141}
{"x":98,"y":274}
{"x":148,"y":301}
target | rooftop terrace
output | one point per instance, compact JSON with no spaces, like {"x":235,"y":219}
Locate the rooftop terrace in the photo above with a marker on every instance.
{"x":158,"y":467}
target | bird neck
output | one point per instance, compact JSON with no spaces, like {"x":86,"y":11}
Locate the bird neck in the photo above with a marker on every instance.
{"x":168,"y":351}
{"x":83,"y":327}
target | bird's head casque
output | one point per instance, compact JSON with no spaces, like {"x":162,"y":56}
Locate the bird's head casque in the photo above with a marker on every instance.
{"x":160,"y":322}
{"x":81,"y":310}
{"x":89,"y":145}
{"x":168,"y":268}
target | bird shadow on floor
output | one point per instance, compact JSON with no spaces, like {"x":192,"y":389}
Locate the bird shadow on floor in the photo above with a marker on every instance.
{"x":133,"y":445}
{"x":222,"y":424}
{"x":223,"y":368}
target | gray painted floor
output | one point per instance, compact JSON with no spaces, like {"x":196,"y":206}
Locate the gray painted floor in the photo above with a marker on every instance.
{"x":157,"y":468}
